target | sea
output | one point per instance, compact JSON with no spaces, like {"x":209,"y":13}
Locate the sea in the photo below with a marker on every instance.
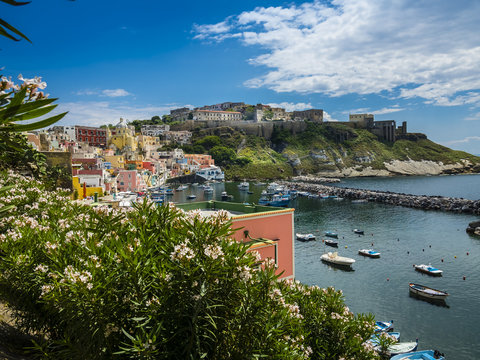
{"x":404,"y":237}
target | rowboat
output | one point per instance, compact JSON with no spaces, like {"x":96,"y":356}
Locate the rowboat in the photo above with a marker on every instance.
{"x":369,"y":252}
{"x":427,"y":292}
{"x":420,"y":355}
{"x":333,"y":258}
{"x":374,"y":339}
{"x":383,"y":326}
{"x":331,"y":234}
{"x":305,"y":237}
{"x":191,"y":196}
{"x":358,"y":231}
{"x":428,"y":269}
{"x":331,"y":243}
{"x":402,"y":347}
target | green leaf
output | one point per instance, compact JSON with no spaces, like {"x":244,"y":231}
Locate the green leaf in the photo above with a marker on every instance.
{"x":128,"y":335}
{"x":34,"y":126}
{"x":6,"y":188}
{"x":10,"y":111}
{"x":34,"y":114}
{"x":6,"y":34}
{"x":14,"y":30}
{"x":18,"y":98}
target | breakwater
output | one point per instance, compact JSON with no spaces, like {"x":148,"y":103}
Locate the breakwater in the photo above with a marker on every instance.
{"x":423,"y":202}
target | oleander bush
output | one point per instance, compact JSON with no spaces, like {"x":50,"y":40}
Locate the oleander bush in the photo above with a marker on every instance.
{"x":155,"y":282}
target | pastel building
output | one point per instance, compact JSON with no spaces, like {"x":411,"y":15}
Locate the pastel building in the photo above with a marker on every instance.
{"x":268,"y":230}
{"x":130,"y":180}
{"x":122,"y":136}
{"x":202,"y":160}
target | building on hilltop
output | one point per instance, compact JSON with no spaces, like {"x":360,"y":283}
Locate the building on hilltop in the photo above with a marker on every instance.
{"x":154,"y":130}
{"x":385,"y":129}
{"x":267,"y":230}
{"x":122,"y":136}
{"x":361,"y":121}
{"x":211,"y":115}
{"x":315,"y":115}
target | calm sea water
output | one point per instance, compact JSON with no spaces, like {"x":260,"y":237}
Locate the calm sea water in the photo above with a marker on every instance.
{"x":404,"y":236}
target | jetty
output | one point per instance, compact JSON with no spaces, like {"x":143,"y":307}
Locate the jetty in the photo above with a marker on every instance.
{"x":424,"y":202}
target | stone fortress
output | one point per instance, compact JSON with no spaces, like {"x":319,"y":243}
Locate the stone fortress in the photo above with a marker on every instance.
{"x":261,"y":119}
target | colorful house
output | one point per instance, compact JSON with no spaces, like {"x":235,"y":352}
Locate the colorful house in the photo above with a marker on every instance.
{"x":268,"y":230}
{"x":130,"y":180}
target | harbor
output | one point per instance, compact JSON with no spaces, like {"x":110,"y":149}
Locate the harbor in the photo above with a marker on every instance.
{"x":404,"y":236}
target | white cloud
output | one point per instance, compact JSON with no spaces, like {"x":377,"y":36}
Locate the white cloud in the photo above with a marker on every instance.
{"x":288,"y":106}
{"x":473,"y":117}
{"x":96,"y":113}
{"x":427,"y":49}
{"x":115,"y":92}
{"x":466,"y":140}
{"x":387,"y":110}
{"x":328,"y":118}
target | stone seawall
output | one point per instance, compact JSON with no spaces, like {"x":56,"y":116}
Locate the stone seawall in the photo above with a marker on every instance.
{"x":423,"y":202}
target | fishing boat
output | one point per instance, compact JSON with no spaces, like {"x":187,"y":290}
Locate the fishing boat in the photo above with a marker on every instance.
{"x":331,"y":234}
{"x":402,"y":347}
{"x":428,"y":269}
{"x":374,"y":339}
{"x":273,"y":200}
{"x":358,"y":231}
{"x":369,"y":252}
{"x":332,"y":243}
{"x":207,"y":189}
{"x":191,"y":197}
{"x":427,"y":292}
{"x":305,"y":237}
{"x":334,"y":258}
{"x":244,"y":186}
{"x":420,"y":355}
{"x":384,"y":326}
{"x":225,"y":196}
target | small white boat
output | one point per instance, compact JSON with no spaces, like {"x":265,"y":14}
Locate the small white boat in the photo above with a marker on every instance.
{"x":332,"y":243}
{"x":191,"y":197}
{"x":182,"y":187}
{"x":244,"y":186}
{"x":402,"y":347}
{"x":334,"y":258}
{"x":208,"y":189}
{"x":369,"y":252}
{"x":420,"y":355}
{"x":358,"y":231}
{"x":428,"y":269}
{"x":427,"y":292}
{"x":305,"y":237}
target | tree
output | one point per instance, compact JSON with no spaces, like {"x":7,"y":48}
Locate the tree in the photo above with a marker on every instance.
{"x":209,"y":142}
{"x":223,"y":156}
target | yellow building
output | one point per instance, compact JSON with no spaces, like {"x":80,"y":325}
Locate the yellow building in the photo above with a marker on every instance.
{"x":122,"y":137}
{"x":117,"y":161}
{"x":87,"y":191}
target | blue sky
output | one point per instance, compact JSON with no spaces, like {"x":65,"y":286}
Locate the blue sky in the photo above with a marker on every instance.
{"x":407,"y":60}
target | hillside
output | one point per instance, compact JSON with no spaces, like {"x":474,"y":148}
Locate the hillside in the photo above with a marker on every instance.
{"x":328,"y":150}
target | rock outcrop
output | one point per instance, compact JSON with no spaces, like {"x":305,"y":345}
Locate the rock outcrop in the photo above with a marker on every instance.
{"x":474,"y":228}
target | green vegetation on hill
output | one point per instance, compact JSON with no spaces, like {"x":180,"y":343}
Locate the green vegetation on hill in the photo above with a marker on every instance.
{"x":321,"y":147}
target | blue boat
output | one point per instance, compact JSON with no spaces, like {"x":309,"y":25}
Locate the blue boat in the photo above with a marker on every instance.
{"x":331,"y":234}
{"x":375,"y":341}
{"x":428,"y":269}
{"x":383,"y":326}
{"x":369,"y":252}
{"x":420,"y":355}
{"x":274,"y":200}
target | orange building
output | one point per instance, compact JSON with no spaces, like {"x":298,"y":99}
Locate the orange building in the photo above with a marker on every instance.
{"x":268,"y":230}
{"x":200,"y":159}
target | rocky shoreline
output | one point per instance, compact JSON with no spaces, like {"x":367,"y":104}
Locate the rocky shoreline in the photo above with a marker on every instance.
{"x":423,"y":202}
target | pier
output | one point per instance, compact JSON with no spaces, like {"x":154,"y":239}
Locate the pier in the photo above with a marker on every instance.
{"x":423,"y":202}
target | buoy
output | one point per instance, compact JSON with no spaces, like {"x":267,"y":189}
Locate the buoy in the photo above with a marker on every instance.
{"x":372,"y":244}
{"x":442,"y":260}
{"x":413,"y":265}
{"x":423,"y":249}
{"x":408,"y":252}
{"x":388,"y":279}
{"x":464,"y":278}
{"x":455,"y":256}
{"x":429,"y":245}
{"x":346,"y":246}
{"x":467,"y":252}
{"x":398,"y":239}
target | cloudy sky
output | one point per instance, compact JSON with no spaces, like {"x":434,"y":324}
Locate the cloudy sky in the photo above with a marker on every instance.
{"x":406,"y":60}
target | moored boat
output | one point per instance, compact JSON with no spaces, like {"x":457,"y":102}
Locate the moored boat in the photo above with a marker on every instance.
{"x":208,"y":189}
{"x":427,"y":292}
{"x":191,"y":196}
{"x":334,"y":258}
{"x":420,"y":355}
{"x":358,"y":231}
{"x":244,"y":186}
{"x":428,"y":269}
{"x":374,"y":339}
{"x":402,"y":347}
{"x":369,"y":252}
{"x":331,"y":242}
{"x":331,"y":234}
{"x":226,"y":196}
{"x":305,"y":237}
{"x":383,"y":326}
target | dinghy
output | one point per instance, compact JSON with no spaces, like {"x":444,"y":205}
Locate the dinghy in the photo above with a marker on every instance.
{"x":427,"y":292}
{"x":334,"y":258}
{"x":369,"y":252}
{"x":428,"y":269}
{"x":420,"y":355}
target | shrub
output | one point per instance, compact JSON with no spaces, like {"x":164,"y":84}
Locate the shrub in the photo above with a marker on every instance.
{"x":156,"y":282}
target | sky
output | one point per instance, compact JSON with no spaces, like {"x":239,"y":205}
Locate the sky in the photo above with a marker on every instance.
{"x":405,"y":60}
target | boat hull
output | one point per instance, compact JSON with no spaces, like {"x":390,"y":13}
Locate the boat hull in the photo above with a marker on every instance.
{"x":331,"y":243}
{"x":426,"y":292}
{"x":419,"y":355}
{"x":337,"y":260}
{"x":369,"y":253}
{"x":331,"y":234}
{"x":428,"y":270}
